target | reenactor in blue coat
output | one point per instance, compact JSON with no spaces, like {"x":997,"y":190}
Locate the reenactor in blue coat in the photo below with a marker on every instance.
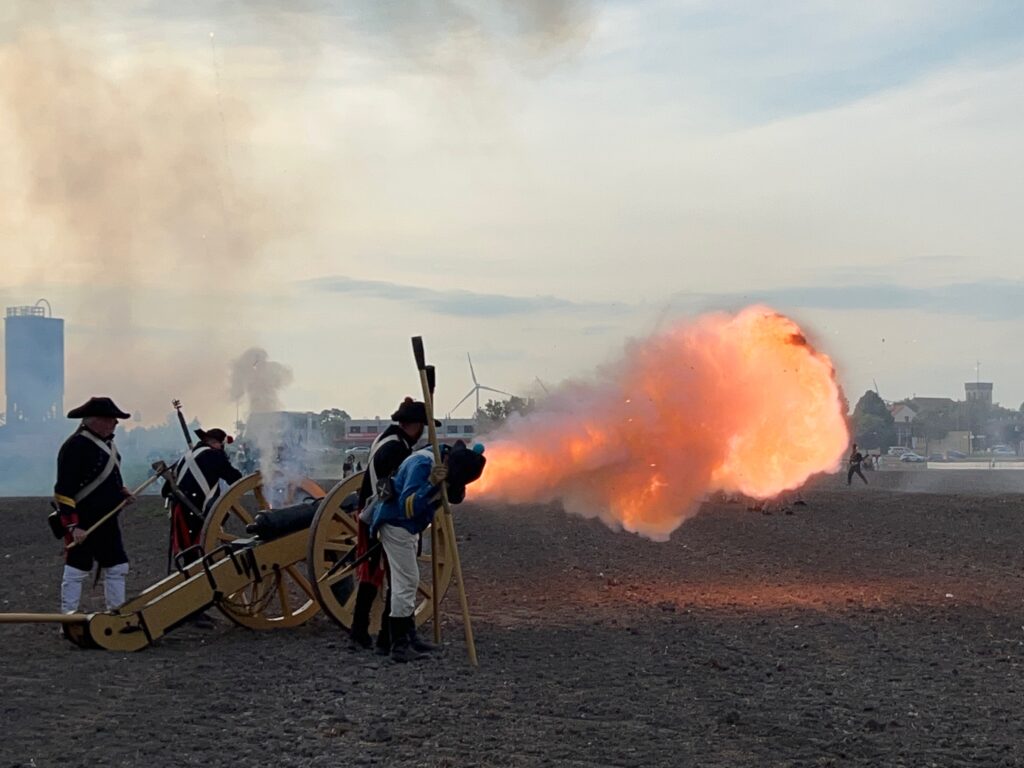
{"x":400,"y":520}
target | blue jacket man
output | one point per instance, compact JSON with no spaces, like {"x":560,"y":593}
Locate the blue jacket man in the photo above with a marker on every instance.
{"x":388,"y":451}
{"x":418,"y":498}
{"x":410,"y":511}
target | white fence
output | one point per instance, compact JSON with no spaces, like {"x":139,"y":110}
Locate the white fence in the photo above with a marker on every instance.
{"x":976,"y":465}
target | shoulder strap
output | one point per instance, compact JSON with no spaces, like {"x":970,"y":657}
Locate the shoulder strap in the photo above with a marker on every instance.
{"x":191,"y":468}
{"x":369,"y":459}
{"x":113,"y":461}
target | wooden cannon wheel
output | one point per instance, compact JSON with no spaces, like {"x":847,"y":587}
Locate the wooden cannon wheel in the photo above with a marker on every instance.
{"x":333,"y":538}
{"x":285,"y":600}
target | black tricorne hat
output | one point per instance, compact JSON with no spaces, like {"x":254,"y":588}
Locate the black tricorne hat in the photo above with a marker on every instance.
{"x":100,"y":407}
{"x":465,"y":465}
{"x":216,"y":434}
{"x":412,"y":412}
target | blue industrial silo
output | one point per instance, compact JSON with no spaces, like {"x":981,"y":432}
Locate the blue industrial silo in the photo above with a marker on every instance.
{"x":34,"y":363}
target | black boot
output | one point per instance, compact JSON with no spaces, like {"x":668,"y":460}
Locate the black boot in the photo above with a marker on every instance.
{"x":365,"y":595}
{"x":384,"y":636}
{"x":402,"y":651}
{"x":420,"y":645}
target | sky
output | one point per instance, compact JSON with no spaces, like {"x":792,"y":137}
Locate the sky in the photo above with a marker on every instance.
{"x":531,"y":183}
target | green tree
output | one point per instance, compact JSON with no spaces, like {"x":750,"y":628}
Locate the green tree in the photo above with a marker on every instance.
{"x":872,"y":425}
{"x":332,"y":425}
{"x":933,"y":424}
{"x":496,"y":411}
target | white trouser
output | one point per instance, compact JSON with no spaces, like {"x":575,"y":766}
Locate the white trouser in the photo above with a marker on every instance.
{"x":71,"y":588}
{"x":400,"y":547}
{"x":113,"y":585}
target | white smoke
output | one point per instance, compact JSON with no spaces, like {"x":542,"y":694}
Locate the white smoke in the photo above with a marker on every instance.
{"x":256,"y":383}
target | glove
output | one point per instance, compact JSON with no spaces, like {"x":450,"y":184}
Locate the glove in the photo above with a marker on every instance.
{"x":438,"y":474}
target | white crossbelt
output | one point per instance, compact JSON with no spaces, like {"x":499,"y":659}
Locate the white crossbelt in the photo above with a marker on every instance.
{"x":192,"y":468}
{"x":367,"y":512}
{"x":113,"y":461}
{"x":374,"y":447}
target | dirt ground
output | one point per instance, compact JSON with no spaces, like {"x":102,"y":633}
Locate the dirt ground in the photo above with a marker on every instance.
{"x":872,"y":627}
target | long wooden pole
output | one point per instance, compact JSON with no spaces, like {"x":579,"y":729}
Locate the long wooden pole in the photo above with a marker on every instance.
{"x":114,"y":511}
{"x":435,"y":564}
{"x":446,"y":510}
{"x":43,"y":618}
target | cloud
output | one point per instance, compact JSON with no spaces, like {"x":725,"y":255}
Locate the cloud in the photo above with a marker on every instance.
{"x":455,"y":302}
{"x":992,"y":300}
{"x":768,"y":61}
{"x":982,"y":300}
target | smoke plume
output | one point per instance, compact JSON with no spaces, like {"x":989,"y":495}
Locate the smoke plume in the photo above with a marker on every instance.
{"x":130,"y":170}
{"x":734,"y":403}
{"x":258,"y":380}
{"x":461,"y":38}
{"x":118,"y":158}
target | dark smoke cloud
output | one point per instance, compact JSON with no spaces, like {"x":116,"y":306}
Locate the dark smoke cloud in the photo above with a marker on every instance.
{"x":455,"y":36}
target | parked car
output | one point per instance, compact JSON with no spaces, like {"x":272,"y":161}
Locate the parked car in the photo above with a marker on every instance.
{"x":936,"y":457}
{"x":1003,"y":450}
{"x":955,"y":455}
{"x":912,"y":458}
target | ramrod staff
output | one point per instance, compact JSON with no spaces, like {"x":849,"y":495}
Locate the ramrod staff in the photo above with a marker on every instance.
{"x":181,"y":421}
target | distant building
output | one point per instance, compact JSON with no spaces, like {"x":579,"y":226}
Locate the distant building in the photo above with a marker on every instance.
{"x":33,"y":365}
{"x":938,"y":404}
{"x":903,"y":415}
{"x":285,"y":428}
{"x":979,"y":392}
{"x":362,"y":432}
{"x":32,"y":427}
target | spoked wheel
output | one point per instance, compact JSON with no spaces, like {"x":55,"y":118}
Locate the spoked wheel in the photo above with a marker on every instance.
{"x":282,"y":599}
{"x":332,"y":550}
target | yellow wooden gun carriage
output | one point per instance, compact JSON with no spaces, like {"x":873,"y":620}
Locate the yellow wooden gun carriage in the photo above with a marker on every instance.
{"x":258,"y":581}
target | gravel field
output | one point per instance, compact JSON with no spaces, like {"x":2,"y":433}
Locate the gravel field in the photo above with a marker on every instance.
{"x":872,"y":627}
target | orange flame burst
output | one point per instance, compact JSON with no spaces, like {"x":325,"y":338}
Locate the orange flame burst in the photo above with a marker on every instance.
{"x":737,"y":403}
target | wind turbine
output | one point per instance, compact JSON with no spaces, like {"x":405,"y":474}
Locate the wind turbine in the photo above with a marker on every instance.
{"x":477,"y":386}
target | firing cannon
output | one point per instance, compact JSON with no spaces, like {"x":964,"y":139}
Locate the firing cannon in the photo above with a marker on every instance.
{"x":269,"y":569}
{"x":282,"y":578}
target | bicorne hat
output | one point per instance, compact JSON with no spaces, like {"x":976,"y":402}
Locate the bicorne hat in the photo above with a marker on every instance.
{"x":216,"y":434}
{"x":101,"y":407}
{"x":412,"y":412}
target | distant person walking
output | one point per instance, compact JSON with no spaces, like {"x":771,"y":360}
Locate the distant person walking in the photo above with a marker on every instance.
{"x":856,"y":457}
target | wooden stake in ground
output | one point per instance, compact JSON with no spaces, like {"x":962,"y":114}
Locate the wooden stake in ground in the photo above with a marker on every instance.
{"x":445,"y":512}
